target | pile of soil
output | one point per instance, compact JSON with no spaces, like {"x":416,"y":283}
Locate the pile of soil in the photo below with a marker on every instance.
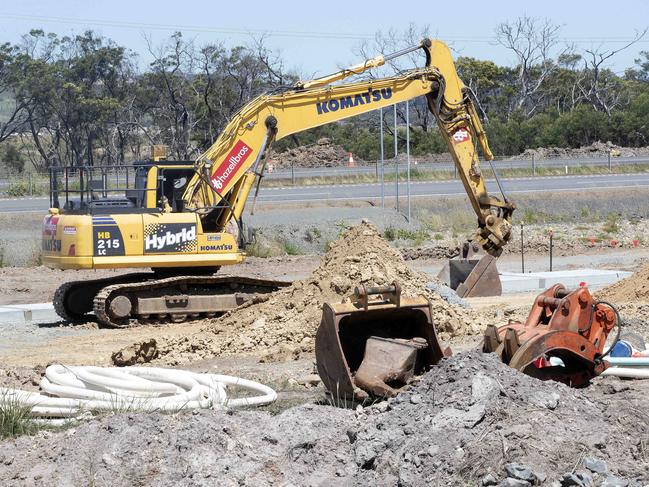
{"x":633,"y":288}
{"x":470,"y":421}
{"x":596,"y":149}
{"x":323,"y":153}
{"x":284,"y":325}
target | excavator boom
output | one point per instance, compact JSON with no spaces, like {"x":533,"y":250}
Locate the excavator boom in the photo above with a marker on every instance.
{"x":226,"y":172}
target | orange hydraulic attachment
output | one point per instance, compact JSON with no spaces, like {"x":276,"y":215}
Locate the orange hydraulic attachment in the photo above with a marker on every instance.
{"x":567,"y":325}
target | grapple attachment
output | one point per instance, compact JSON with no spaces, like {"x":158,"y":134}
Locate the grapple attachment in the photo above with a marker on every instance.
{"x":373,"y":347}
{"x":563,"y":338}
{"x":473,"y":274}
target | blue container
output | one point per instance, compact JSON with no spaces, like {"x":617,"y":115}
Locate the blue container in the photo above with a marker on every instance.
{"x":622,"y":349}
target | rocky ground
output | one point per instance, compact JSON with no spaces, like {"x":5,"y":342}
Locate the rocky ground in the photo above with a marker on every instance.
{"x":470,"y":421}
{"x":323,"y":153}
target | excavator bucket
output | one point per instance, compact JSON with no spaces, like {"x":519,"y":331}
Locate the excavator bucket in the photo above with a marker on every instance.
{"x":563,"y":338}
{"x":472,"y":275}
{"x":374,"y":347}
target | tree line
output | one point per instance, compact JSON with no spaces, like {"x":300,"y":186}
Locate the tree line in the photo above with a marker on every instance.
{"x":72,"y":100}
{"x":76,"y":100}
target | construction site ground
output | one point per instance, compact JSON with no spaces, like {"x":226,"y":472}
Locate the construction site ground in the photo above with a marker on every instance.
{"x":465,"y":423}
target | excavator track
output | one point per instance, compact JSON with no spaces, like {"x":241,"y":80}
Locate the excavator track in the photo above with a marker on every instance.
{"x":75,"y":299}
{"x":176,"y":299}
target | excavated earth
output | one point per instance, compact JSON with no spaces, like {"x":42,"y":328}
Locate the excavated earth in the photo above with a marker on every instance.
{"x":470,"y":420}
{"x":284,"y":325}
{"x":632,"y":289}
{"x":321,"y":154}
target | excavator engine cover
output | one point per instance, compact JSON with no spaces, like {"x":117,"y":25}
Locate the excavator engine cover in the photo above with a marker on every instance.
{"x":563,"y":338}
{"x":373,"y":347}
{"x":472,"y":275}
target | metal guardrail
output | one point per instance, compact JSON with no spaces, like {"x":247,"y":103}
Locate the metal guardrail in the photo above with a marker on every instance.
{"x":35,"y":184}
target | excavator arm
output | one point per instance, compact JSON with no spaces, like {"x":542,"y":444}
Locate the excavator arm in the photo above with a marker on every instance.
{"x":227,"y":171}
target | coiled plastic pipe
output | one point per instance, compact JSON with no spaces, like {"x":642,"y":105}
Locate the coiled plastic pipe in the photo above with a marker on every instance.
{"x":69,"y":391}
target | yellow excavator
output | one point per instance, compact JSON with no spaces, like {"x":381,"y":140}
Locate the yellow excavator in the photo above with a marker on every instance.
{"x":183,"y":220}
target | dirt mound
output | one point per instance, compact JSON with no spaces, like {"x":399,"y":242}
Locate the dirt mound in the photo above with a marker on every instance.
{"x":596,"y":149}
{"x":322,"y":154}
{"x":284,"y":325}
{"x":633,"y":288}
{"x":470,"y":418}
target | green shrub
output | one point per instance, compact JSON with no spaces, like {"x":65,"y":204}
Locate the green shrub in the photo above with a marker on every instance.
{"x":611,"y":224}
{"x":12,"y":157}
{"x":258,"y":249}
{"x":290,"y":248}
{"x":15,"y":418}
{"x":390,"y":233}
{"x":18,"y":188}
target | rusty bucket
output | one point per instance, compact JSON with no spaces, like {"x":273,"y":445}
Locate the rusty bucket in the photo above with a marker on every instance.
{"x":373,"y":347}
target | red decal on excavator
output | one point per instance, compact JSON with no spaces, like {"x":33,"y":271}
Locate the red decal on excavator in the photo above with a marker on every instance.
{"x":460,"y":135}
{"x":49,"y":225}
{"x":235,"y":158}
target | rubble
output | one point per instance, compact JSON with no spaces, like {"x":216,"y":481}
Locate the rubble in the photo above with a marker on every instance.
{"x":596,"y":149}
{"x":138,"y":353}
{"x":447,"y":435}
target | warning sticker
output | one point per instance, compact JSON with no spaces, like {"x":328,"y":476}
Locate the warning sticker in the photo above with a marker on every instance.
{"x":460,"y":135}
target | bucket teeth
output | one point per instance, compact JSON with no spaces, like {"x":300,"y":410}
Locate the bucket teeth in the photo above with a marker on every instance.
{"x":491,"y":339}
{"x":511,"y":344}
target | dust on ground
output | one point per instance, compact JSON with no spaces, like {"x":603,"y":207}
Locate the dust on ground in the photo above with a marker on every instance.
{"x":284,"y":325}
{"x":470,"y":418}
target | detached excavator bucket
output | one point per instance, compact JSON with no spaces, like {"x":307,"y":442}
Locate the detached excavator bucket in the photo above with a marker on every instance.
{"x":472,"y":275}
{"x":563,"y":338}
{"x":375,"y":347}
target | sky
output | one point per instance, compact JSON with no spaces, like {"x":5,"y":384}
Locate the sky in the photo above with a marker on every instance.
{"x":316,"y":37}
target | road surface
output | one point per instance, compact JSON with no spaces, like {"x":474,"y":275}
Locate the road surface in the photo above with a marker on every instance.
{"x":372,"y":191}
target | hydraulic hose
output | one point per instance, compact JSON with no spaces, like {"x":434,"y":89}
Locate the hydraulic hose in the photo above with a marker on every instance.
{"x":68,"y":391}
{"x":618,"y":321}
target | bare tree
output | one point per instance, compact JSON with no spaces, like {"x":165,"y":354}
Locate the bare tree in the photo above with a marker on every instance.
{"x":391,"y":41}
{"x":597,"y":85}
{"x":534,"y":42}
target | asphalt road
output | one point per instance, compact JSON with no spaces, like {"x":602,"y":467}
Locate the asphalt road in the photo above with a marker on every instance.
{"x":303,"y":194}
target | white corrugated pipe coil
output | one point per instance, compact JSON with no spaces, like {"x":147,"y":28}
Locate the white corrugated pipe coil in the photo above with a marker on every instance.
{"x":68,"y":391}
